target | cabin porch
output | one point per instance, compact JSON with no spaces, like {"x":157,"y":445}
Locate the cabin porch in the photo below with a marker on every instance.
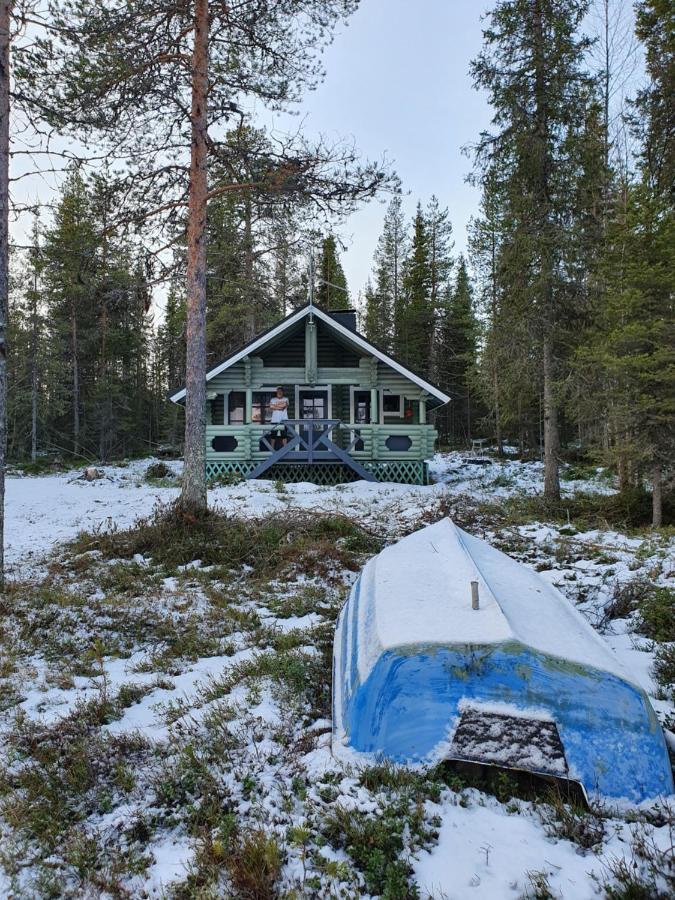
{"x":325,"y":451}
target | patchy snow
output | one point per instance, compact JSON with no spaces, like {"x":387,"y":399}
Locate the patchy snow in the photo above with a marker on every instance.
{"x":273,"y":751}
{"x":172,"y":857}
{"x":42,"y":511}
{"x":485,"y":853}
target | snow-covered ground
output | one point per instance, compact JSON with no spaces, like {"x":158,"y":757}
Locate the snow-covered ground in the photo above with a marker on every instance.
{"x":196,"y":686}
{"x":45,"y":510}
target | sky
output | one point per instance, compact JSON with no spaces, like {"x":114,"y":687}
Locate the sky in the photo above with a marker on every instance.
{"x":397,"y":83}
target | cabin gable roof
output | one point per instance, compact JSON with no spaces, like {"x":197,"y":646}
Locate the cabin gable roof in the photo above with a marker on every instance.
{"x":352,"y":337}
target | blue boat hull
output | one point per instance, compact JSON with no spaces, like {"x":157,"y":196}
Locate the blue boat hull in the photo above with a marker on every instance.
{"x":410,"y":703}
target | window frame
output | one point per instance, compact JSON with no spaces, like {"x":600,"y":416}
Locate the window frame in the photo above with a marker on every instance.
{"x":388,"y":395}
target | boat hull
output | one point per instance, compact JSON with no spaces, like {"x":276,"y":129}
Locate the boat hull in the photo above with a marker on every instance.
{"x":409,"y":706}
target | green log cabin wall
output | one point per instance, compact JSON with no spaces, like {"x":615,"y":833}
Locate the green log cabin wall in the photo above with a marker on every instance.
{"x":312,"y":355}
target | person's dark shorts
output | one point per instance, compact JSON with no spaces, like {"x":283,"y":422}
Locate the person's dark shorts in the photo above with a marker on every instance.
{"x":279,"y":434}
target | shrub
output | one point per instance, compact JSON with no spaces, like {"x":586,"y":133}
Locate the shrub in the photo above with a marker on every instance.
{"x":226,"y":479}
{"x":649,"y":874}
{"x":172,"y":537}
{"x":627,"y":598}
{"x":158,"y":470}
{"x":380,"y":844}
{"x":657,"y":615}
{"x":254,"y":866}
{"x":570,"y":821}
{"x":630,"y":509}
{"x":376,"y":845}
{"x":664,"y":669}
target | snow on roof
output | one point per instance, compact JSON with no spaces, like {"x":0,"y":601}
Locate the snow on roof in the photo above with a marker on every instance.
{"x":351,"y":336}
{"x":418,"y":592}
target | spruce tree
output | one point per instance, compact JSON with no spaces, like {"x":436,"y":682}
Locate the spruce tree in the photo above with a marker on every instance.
{"x":372,"y":317}
{"x":70,"y":251}
{"x":457,"y":346}
{"x":439,"y":229}
{"x":533,"y":70}
{"x":626,"y":364}
{"x":331,"y":291}
{"x":387,"y":302}
{"x":415,"y":323}
{"x":486,"y":235}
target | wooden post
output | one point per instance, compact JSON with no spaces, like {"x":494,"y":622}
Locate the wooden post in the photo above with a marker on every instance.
{"x":248,"y":416}
{"x":311,"y":365}
{"x":374,"y":419}
{"x":423,"y":411}
{"x":374,"y":407}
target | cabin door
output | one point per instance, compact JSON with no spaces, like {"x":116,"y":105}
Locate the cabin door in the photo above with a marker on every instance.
{"x":312,"y":404}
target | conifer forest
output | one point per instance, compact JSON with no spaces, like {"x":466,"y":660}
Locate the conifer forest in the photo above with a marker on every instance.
{"x":552,"y":330}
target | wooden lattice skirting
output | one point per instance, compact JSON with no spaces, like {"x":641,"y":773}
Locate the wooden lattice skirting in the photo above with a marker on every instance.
{"x":399,"y":471}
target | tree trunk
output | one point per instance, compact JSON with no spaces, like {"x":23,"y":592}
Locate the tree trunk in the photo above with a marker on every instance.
{"x":498,"y":427}
{"x":546,"y":238}
{"x":34,"y":369}
{"x":193,"y":494}
{"x":76,"y":380}
{"x":5,"y":13}
{"x":657,"y":496}
{"x":495,"y":373}
{"x":33,"y":391}
{"x":551,"y":434}
{"x":249,"y":291}
{"x":104,"y":422}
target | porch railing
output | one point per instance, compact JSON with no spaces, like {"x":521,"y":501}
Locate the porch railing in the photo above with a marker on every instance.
{"x":308,"y":441}
{"x":381,"y":442}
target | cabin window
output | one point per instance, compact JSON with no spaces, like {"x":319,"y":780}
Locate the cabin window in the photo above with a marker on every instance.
{"x":236,"y":407}
{"x":392,"y":405}
{"x":361,"y":407}
{"x":261,"y":407}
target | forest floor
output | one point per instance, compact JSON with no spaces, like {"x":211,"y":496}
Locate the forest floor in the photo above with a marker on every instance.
{"x":165,"y":694}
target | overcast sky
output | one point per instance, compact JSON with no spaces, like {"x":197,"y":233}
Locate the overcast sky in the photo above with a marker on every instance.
{"x":398,"y":83}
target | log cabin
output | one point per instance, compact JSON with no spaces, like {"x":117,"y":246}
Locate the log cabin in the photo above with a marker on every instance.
{"x":353,"y":410}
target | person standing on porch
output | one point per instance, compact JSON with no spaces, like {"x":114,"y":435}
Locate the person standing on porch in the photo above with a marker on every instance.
{"x":279,"y":407}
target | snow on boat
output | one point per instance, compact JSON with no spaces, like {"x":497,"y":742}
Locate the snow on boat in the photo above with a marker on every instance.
{"x":522,"y":681}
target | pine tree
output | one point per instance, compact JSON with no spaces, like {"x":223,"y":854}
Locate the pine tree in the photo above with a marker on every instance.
{"x":176,"y":76}
{"x":331,"y":292}
{"x":285,"y":277}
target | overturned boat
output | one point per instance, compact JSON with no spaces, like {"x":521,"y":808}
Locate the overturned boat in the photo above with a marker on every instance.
{"x":448,"y":649}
